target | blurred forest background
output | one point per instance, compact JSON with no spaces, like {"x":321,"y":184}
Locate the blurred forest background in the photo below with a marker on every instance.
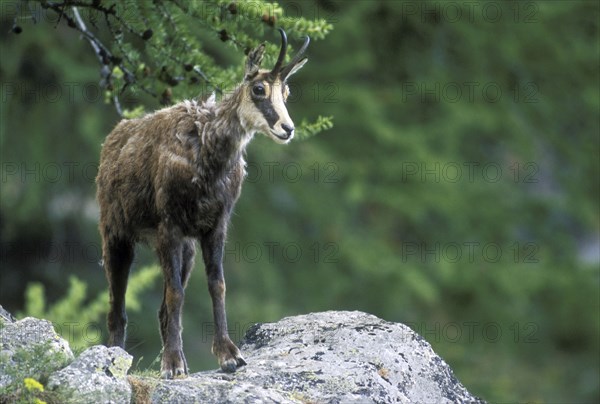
{"x":457,"y":191}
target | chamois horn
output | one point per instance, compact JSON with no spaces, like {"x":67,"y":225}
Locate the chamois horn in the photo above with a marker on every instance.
{"x":282,"y":52}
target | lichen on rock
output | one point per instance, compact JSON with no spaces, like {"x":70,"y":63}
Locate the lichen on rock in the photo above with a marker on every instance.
{"x":30,"y":348}
{"x":98,"y":375}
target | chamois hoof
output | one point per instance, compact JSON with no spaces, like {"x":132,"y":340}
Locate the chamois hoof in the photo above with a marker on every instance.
{"x":229,"y":356}
{"x":231,"y":364}
{"x":169,"y":374}
{"x":173,"y":365}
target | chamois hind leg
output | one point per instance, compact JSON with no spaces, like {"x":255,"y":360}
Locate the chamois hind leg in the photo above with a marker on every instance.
{"x":188,"y":252}
{"x":228,"y":355}
{"x":117,"y":257}
{"x":170,"y":255}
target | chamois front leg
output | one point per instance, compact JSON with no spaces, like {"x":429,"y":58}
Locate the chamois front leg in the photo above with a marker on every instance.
{"x":228,"y":355}
{"x":170,"y":255}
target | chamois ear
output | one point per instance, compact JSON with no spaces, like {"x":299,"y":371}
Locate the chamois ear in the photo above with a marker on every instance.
{"x":253,"y":61}
{"x":296,"y":63}
{"x":293,"y":69}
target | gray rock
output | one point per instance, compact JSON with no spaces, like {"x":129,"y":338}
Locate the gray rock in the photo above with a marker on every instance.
{"x":98,"y":375}
{"x":330,"y":357}
{"x":29,"y":348}
{"x":5,"y":316}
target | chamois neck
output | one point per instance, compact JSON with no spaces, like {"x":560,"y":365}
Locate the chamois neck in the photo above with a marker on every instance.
{"x":224,"y":138}
{"x":228,"y":130}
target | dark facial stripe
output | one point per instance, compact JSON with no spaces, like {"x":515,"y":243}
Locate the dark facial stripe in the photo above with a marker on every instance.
{"x":266,"y":107}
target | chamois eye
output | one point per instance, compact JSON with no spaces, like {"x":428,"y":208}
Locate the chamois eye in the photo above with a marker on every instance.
{"x":258,"y":89}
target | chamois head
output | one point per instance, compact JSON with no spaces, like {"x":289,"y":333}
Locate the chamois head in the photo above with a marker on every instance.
{"x":264,"y":93}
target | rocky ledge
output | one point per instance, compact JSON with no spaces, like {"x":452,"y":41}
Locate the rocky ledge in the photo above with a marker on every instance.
{"x":329,"y":357}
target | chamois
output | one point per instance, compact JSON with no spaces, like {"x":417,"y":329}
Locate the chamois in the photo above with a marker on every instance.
{"x":173,"y":177}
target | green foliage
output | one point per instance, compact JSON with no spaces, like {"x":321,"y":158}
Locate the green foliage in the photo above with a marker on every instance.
{"x":307,"y":129}
{"x":26,"y":389}
{"x":152,"y":370}
{"x":168,"y":49}
{"x":76,"y":317}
